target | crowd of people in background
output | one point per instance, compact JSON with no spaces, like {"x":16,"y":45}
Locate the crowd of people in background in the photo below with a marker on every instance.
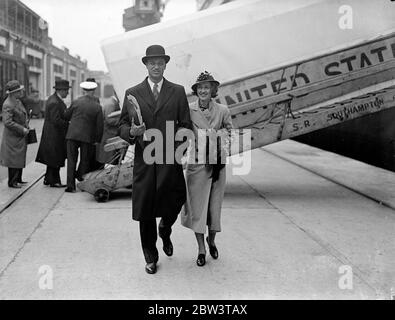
{"x":68,"y":132}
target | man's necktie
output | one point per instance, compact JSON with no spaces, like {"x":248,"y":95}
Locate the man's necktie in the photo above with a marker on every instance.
{"x":155,"y":91}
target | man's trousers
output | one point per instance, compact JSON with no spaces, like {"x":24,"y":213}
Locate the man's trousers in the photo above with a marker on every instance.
{"x":148,"y":236}
{"x":14,"y":176}
{"x":52,"y":175}
{"x":85,"y":150}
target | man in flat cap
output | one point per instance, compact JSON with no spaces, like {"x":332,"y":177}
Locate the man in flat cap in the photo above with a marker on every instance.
{"x":159,"y":187}
{"x":85,"y":129}
{"x":52,"y":149}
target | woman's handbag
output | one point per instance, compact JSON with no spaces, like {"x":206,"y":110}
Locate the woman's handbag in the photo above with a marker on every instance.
{"x":31,"y":136}
{"x":220,"y":153}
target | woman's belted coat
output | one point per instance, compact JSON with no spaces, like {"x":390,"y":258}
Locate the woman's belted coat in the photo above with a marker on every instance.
{"x":204,"y":195}
{"x":14,"y":143}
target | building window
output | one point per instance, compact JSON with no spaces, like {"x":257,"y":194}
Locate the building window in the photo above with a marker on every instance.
{"x":3,"y":44}
{"x":2,"y":12}
{"x":12,"y":15}
{"x":28,"y":20}
{"x":30,"y":59}
{"x":73,"y":73}
{"x":57,"y":68}
{"x":37,"y":62}
{"x":20,"y":20}
{"x":35,"y":28}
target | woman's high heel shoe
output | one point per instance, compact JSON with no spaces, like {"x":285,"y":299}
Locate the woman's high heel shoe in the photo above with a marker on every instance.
{"x":201,"y":260}
{"x":213,"y":250}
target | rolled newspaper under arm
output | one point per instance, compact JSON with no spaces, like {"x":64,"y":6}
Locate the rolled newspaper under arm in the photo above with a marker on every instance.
{"x":114,"y":114}
{"x":133,"y":101}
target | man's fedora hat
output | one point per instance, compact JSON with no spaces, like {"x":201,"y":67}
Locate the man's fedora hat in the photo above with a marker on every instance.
{"x":61,"y":84}
{"x":89,"y":84}
{"x":204,"y":77}
{"x":13,"y":86}
{"x":155,"y":51}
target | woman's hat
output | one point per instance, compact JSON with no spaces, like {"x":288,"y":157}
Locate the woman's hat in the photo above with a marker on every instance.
{"x":13,"y":86}
{"x":89,"y":84}
{"x":155,"y":51}
{"x":61,"y":84}
{"x":204,"y":77}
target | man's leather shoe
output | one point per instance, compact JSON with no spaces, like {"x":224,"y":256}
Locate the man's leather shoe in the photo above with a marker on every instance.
{"x":15,"y":185}
{"x":213,"y":250}
{"x":168,"y":247}
{"x":45,"y":182}
{"x":57,"y":185}
{"x":201,"y":260}
{"x":71,"y":190}
{"x":23,"y":182}
{"x":150,"y":268}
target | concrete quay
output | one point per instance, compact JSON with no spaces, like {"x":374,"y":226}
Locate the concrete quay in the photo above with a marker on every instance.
{"x":303,"y":224}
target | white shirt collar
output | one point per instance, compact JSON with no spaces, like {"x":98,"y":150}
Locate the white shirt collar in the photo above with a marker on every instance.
{"x":151,"y":84}
{"x":59,"y":96}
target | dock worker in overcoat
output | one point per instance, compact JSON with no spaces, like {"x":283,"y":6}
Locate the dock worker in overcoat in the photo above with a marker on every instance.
{"x":159,"y":187}
{"x":52,"y":150}
{"x":85,"y":117}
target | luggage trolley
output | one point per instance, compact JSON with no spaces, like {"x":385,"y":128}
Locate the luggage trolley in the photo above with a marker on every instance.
{"x":112,"y":177}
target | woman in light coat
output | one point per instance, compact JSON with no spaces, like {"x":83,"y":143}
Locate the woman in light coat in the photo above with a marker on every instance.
{"x":205,"y":180}
{"x":14,"y":143}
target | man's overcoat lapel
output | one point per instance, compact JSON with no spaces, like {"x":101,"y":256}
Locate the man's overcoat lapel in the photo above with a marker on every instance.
{"x":61,"y":105}
{"x":145,"y":93}
{"x":164,"y":95}
{"x":147,"y":96}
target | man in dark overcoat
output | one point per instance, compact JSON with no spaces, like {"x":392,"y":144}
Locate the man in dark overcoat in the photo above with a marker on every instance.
{"x":52,"y":149}
{"x":158,"y":186}
{"x":85,"y":129}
